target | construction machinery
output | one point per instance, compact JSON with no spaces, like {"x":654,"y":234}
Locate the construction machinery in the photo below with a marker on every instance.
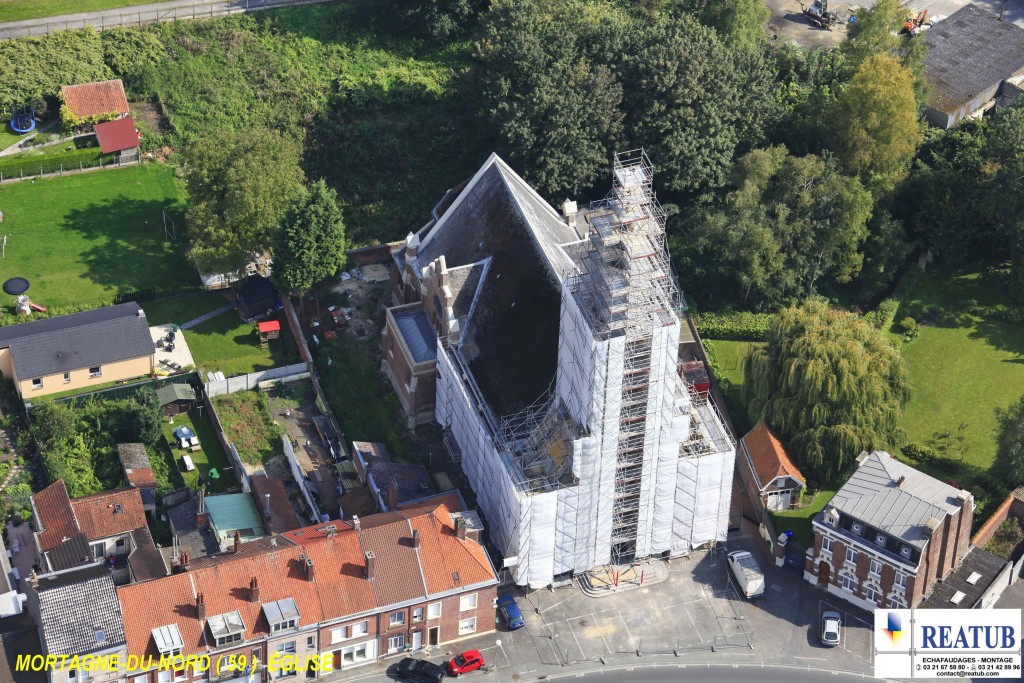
{"x":819,"y":14}
{"x":916,"y":23}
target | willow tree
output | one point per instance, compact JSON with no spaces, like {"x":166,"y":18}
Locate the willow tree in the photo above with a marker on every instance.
{"x":829,"y":383}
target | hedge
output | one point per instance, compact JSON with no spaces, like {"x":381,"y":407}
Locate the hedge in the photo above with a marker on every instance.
{"x":731,"y":326}
{"x":54,"y":163}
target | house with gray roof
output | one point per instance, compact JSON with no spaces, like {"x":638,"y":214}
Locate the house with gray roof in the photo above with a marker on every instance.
{"x":77,"y":613}
{"x":889,"y":534}
{"x":77,"y":351}
{"x":975,"y":62}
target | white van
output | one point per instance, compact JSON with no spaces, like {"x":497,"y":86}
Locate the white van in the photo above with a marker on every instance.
{"x":748,"y":574}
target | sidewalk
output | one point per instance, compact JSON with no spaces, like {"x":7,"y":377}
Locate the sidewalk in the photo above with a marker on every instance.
{"x":140,"y":15}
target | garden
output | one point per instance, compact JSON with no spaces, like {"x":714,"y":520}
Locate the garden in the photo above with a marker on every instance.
{"x":82,"y":239}
{"x":225,"y":343}
{"x":245,"y":418}
{"x":210,"y":455}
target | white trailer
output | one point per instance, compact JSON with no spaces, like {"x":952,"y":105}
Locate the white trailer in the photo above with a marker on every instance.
{"x":748,"y":574}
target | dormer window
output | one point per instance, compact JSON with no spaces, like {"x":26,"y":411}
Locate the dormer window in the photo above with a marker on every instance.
{"x":905,"y":552}
{"x":880,"y":539}
{"x":856,"y":527}
{"x":282,"y":615}
{"x":168,"y":640}
{"x":227,"y":628}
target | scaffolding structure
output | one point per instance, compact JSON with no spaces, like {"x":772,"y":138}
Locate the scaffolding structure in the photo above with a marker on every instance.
{"x":625,"y":287}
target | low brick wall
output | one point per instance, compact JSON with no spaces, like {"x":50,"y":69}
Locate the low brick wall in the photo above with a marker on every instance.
{"x":1013,"y":506}
{"x":375,"y":253}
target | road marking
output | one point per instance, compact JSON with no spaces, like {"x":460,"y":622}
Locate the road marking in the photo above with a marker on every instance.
{"x":816,"y":659}
{"x":582,"y":653}
{"x":624,"y":624}
{"x":694,"y":624}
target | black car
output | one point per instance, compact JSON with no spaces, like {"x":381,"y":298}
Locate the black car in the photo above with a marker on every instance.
{"x":419,"y":670}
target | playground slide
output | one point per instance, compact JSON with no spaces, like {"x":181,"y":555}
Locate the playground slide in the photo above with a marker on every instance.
{"x":37,"y":307}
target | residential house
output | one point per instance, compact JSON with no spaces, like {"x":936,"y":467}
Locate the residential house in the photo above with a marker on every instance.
{"x":773,"y":478}
{"x":391,"y":483}
{"x":272,"y":500}
{"x":889,"y":534}
{"x":138,"y":472}
{"x":77,"y":613}
{"x":16,"y":643}
{"x":358,"y":590}
{"x":108,"y":528}
{"x":97,"y":101}
{"x":974,"y":61}
{"x":77,"y":351}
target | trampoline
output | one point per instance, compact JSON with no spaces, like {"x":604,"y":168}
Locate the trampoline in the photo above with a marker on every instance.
{"x":16,"y":286}
{"x":23,"y":121}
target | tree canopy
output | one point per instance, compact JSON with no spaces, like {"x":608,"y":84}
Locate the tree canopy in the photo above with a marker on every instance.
{"x":739,"y":22}
{"x":876,"y":120}
{"x":240,"y":183}
{"x":788,"y":223}
{"x":1008,"y":466}
{"x":310,"y":244}
{"x":875,"y":31}
{"x":829,"y":384}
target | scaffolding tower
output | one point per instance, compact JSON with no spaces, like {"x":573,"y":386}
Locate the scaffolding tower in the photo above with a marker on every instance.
{"x":625,"y":286}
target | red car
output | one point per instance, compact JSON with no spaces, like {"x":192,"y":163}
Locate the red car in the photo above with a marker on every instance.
{"x":471,"y":660}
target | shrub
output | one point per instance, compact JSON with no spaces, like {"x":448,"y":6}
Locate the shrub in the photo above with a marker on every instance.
{"x":733,"y":326}
{"x":881,"y":318}
{"x":1007,"y":538}
{"x":908,"y":325}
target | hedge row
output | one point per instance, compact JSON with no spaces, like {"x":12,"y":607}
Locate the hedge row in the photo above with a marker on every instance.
{"x":55,"y":163}
{"x":742,"y":326}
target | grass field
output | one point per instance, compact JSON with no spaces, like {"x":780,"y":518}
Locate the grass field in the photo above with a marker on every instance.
{"x":7,"y":136}
{"x":81,"y":239}
{"x":210,"y":456}
{"x":728,"y":358}
{"x":799,"y":521}
{"x":246,"y":420}
{"x":16,"y":10}
{"x":962,"y":366}
{"x":225,"y":343}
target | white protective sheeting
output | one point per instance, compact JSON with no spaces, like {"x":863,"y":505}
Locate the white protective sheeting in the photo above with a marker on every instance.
{"x":703,"y":495}
{"x":537,"y":539}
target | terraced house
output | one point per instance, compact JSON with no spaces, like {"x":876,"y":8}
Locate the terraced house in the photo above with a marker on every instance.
{"x":394,"y":582}
{"x":889,"y":534}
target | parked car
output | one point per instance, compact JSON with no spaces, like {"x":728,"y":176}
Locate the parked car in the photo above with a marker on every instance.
{"x":830,"y":624}
{"x":470,"y":660}
{"x":420,"y":671}
{"x":748,"y":574}
{"x":510,"y":613}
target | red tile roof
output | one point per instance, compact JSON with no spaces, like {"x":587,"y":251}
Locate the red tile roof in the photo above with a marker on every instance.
{"x":54,"y":515}
{"x":117,"y":135}
{"x":339,"y":567}
{"x":95,"y":99}
{"x":282,"y":516}
{"x":768,"y":457}
{"x":140,"y":477}
{"x":149,"y":605}
{"x":98,"y":515}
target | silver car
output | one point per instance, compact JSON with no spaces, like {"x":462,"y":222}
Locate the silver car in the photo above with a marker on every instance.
{"x":830,"y":624}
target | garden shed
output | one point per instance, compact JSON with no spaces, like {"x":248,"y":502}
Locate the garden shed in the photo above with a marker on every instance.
{"x":176,"y":399}
{"x":256,"y":297}
{"x":119,"y":135}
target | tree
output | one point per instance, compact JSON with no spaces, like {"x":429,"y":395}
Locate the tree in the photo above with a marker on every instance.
{"x":52,"y":423}
{"x":876,"y":121}
{"x":1008,"y":466}
{"x":146,"y":418}
{"x":876,"y":31}
{"x":310,"y":244}
{"x":740,"y":22}
{"x":239,"y":184}
{"x":789,"y":222}
{"x":693,"y":102}
{"x":830,"y":385}
{"x":810,"y":82}
{"x":555,"y":107}
{"x":442,"y":19}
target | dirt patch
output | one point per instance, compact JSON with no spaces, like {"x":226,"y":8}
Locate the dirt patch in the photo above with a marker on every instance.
{"x":149,"y":118}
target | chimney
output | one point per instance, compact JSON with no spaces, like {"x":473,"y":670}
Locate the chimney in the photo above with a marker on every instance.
{"x":569,"y":210}
{"x":415,"y":538}
{"x":308,"y":568}
{"x":238,"y":540}
{"x":902,"y":480}
{"x":254,"y":590}
{"x":370,"y":562}
{"x":200,"y":607}
{"x":393,"y":494}
{"x":460,"y":528}
{"x":184,"y":562}
{"x":931,"y":526}
{"x":355,"y":522}
{"x":266,"y":509}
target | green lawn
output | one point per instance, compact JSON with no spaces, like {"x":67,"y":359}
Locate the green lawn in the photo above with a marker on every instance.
{"x":7,"y":136}
{"x":245,"y":418}
{"x":799,"y":521}
{"x":16,"y":10}
{"x":225,"y":343}
{"x":81,"y":239}
{"x":962,"y":366}
{"x":727,"y":360}
{"x":210,"y":456}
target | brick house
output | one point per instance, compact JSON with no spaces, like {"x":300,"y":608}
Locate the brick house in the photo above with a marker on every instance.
{"x":355,"y":591}
{"x":774,"y":479}
{"x":96,"y":528}
{"x":889,"y":534}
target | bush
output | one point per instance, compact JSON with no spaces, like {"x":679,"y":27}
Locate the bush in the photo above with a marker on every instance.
{"x":1006,"y":540}
{"x":919,"y":452}
{"x":881,"y":318}
{"x":53,"y":163}
{"x":731,"y":326}
{"x":908,"y":325}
